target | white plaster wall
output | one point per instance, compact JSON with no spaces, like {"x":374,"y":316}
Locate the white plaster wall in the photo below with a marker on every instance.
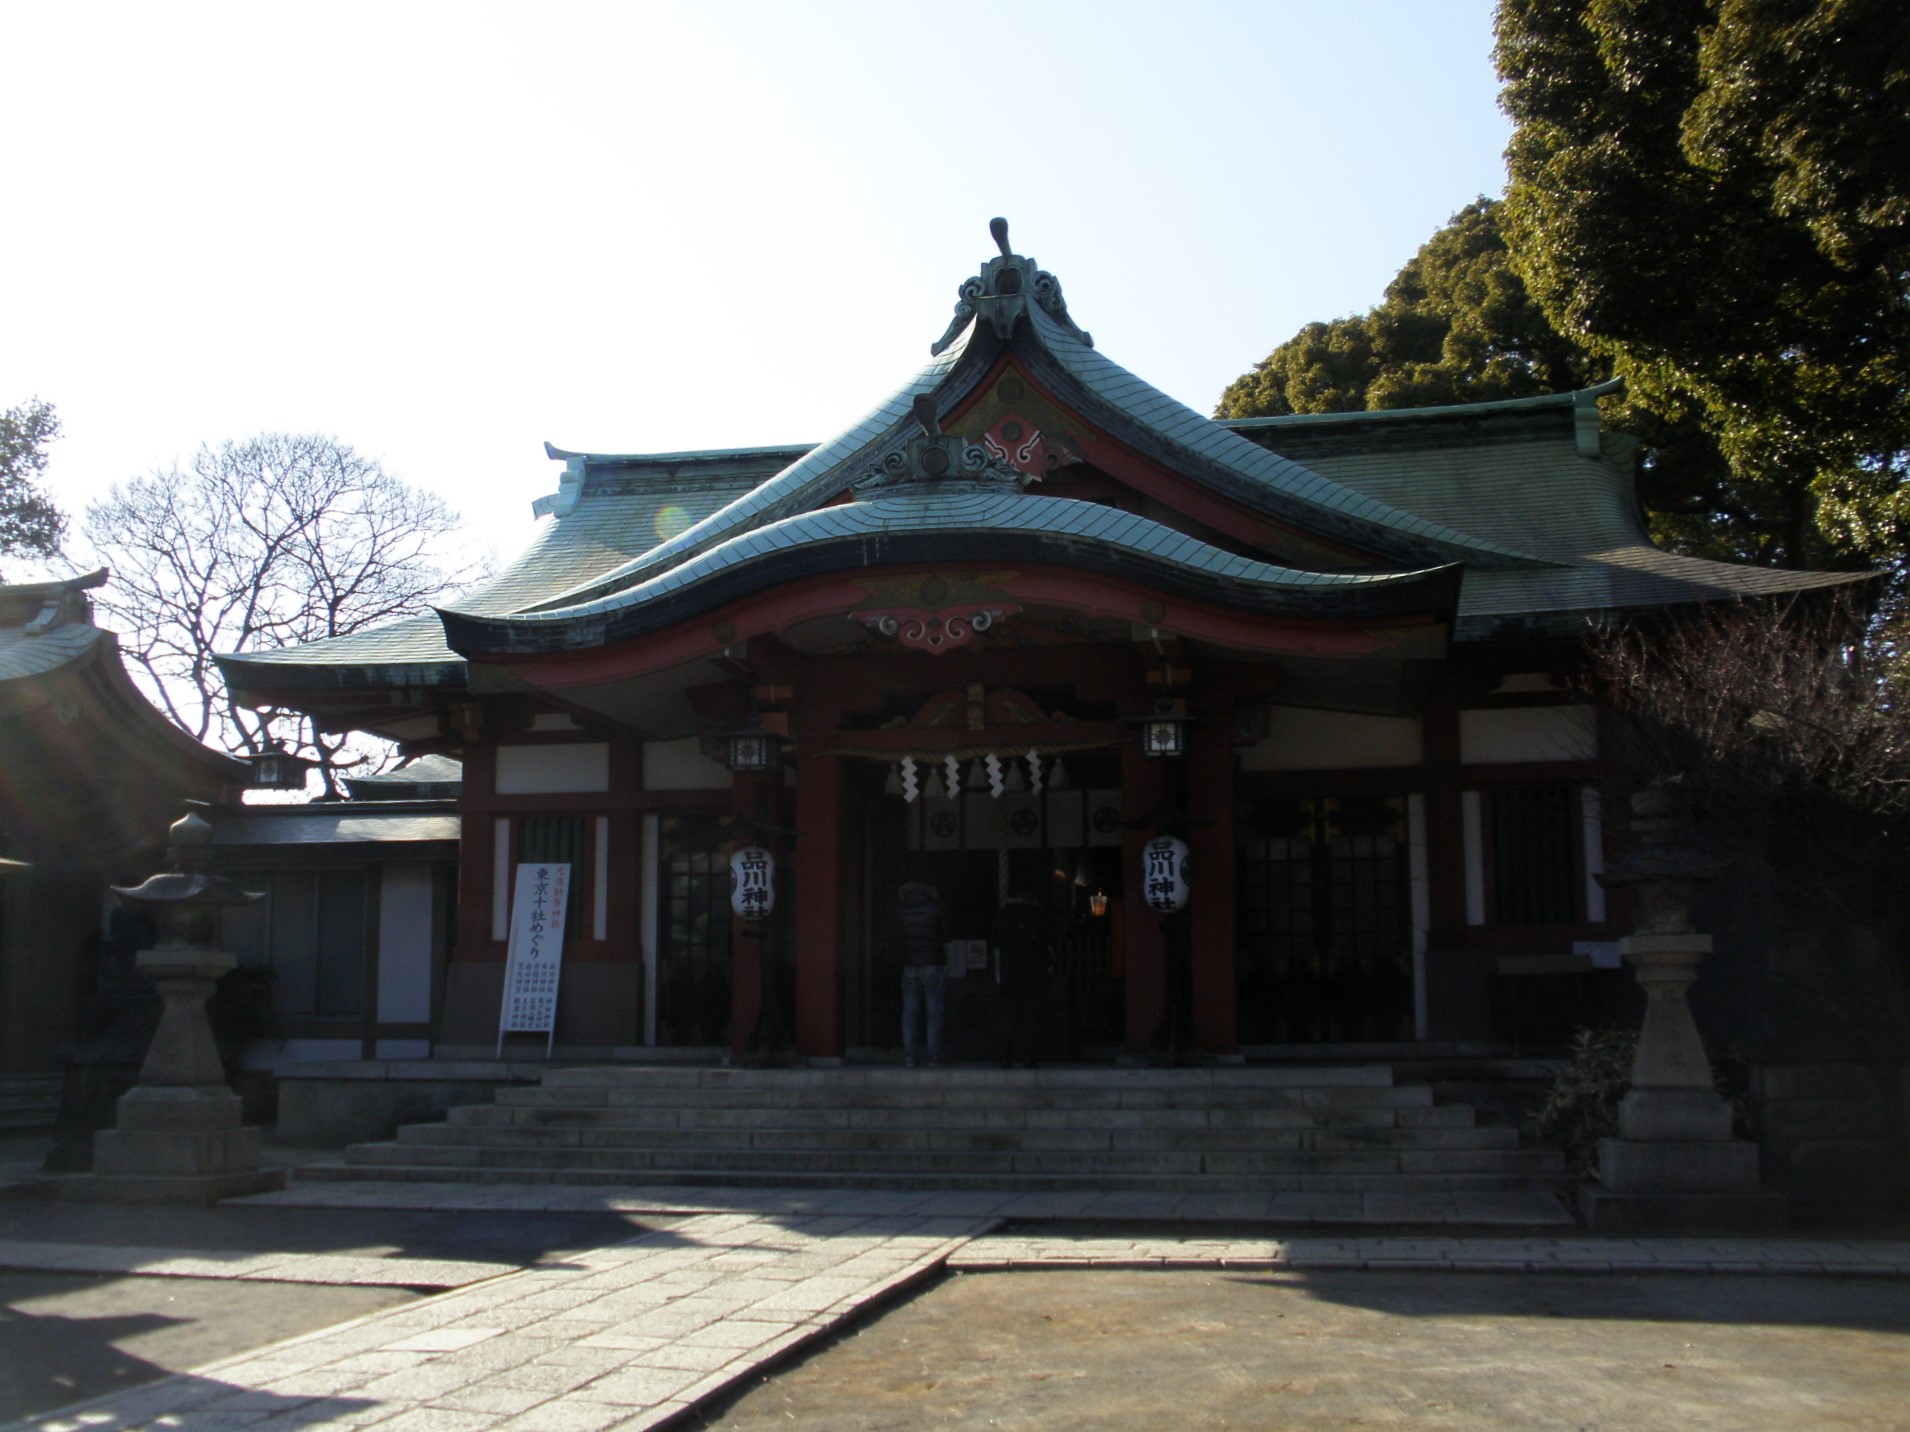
{"x":548,"y":770}
{"x":1527,"y":733}
{"x":501,"y":879}
{"x":1304,"y":740}
{"x":404,"y":945}
{"x":1472,"y":819}
{"x":681,"y":766}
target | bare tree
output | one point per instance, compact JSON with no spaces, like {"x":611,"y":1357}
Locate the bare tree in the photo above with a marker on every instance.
{"x":276,"y":541}
{"x":1786,"y":725}
{"x":1786,"y":731}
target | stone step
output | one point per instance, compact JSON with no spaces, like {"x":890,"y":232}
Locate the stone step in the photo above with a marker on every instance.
{"x":1335,"y":1129}
{"x":561,"y":1140}
{"x":1444,"y":1116}
{"x":30,"y":1101}
{"x":669,"y":1177}
{"x":929,"y":1091}
{"x":1356,"y":1164}
{"x":629,"y":1077}
{"x":1404,"y":1116}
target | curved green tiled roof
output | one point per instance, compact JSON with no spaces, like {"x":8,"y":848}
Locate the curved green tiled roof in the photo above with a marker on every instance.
{"x":812,"y":479}
{"x":1545,"y":536}
{"x":851,"y":534}
{"x":1257,"y":472}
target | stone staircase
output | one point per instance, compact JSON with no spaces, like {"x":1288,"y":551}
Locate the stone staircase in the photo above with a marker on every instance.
{"x":29,"y":1101}
{"x":1231,"y":1129}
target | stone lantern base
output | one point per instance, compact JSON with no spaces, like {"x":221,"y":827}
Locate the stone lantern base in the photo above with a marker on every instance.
{"x":1674,"y":1165}
{"x":178,"y":1137}
{"x":1678,"y":1186}
{"x":177,"y":1146}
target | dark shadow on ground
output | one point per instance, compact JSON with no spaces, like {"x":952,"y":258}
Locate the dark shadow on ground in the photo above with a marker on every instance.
{"x":518,"y":1239}
{"x":65,"y":1339}
{"x":1880,"y":1305}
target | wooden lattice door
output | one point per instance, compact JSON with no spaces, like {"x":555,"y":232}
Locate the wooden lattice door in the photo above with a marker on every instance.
{"x":1325,"y":922}
{"x":693,"y":935}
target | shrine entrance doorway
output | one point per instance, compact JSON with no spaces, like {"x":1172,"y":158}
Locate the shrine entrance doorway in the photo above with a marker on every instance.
{"x":1326,"y":922}
{"x":691,"y":977}
{"x":961,"y":846}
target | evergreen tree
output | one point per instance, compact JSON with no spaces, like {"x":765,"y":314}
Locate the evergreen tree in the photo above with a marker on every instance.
{"x":29,"y":522}
{"x":1712,"y":195}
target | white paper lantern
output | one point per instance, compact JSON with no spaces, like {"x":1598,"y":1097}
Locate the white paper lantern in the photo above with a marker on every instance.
{"x":1164,"y":874}
{"x":752,"y":882}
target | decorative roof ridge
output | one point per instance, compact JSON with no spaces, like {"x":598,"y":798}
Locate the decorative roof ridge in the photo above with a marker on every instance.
{"x":687,"y":455}
{"x":36,"y":608}
{"x":1572,"y":398}
{"x":574,"y":481}
{"x":1000,"y":294}
{"x":935,"y":457}
{"x":57,"y":586}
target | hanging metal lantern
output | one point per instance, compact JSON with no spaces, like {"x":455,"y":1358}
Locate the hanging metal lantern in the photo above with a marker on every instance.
{"x":1164,"y":733}
{"x":753,"y":751}
{"x":752,"y":882}
{"x":277,"y":769}
{"x":1164,"y":874}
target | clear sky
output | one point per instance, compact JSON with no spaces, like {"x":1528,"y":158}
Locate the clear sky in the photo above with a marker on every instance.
{"x":447,"y":232}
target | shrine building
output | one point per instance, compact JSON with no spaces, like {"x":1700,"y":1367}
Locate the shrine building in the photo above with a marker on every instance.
{"x":1025,"y":617}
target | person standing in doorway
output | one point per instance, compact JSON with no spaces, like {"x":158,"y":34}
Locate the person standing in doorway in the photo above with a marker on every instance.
{"x":1023,"y":967}
{"x":922,"y":932}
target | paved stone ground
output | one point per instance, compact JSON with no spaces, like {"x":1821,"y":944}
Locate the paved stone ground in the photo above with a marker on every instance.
{"x":1474,"y":1352}
{"x":643,"y":1330}
{"x":64,"y":1337}
{"x":627,"y":1336}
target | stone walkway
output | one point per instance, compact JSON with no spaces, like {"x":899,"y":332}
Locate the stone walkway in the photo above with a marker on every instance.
{"x":45,"y":1256}
{"x":625,"y":1337}
{"x":638,"y":1334}
{"x":1836,"y":1257}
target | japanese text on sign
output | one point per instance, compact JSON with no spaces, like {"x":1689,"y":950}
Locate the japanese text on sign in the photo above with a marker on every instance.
{"x":1164,"y":874}
{"x":752,"y":882}
{"x":535,"y":955}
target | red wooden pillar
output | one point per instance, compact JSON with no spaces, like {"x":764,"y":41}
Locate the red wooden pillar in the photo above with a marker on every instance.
{"x":1146,"y":958}
{"x":1210,"y":798}
{"x":818,"y":898}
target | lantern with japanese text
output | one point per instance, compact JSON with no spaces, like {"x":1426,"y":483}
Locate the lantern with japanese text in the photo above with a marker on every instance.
{"x":1164,"y":874}
{"x":752,"y":882}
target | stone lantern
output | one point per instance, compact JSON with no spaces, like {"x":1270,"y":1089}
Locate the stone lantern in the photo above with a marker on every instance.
{"x":178,"y":1134}
{"x":1674,"y":1163}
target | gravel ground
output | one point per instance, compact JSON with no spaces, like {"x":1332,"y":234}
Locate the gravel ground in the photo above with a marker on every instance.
{"x":1193,"y":1350}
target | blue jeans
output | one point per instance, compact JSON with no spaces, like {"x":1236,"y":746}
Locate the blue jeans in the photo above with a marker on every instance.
{"x":917,"y":981}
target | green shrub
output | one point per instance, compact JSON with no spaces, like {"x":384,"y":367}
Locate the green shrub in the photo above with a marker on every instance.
{"x":1581,"y":1107}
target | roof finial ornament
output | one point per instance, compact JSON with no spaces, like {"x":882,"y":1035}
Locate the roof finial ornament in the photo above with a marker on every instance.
{"x":923,"y":410}
{"x":1001,"y":292}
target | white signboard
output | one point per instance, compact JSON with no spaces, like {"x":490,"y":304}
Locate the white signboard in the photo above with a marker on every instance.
{"x":535,"y":956}
{"x":1164,"y":874}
